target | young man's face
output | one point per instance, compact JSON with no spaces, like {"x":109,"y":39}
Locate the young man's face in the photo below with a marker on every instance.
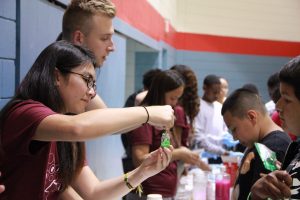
{"x":242,"y":129}
{"x":99,"y":39}
{"x":289,"y":108}
{"x":211,"y":93}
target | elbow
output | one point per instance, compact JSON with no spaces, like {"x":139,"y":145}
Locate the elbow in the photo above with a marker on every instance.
{"x":77,"y":132}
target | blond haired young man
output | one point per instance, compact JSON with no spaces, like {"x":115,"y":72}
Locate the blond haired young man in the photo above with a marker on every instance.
{"x":89,"y":23}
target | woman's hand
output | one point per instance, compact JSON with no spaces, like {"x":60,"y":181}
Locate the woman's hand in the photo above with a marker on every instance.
{"x":275,"y":185}
{"x":193,"y":158}
{"x":2,"y":188}
{"x":161,"y":117}
{"x":156,"y":161}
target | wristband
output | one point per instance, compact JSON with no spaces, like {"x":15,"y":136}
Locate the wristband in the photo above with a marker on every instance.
{"x":147,"y":115}
{"x":139,"y":188}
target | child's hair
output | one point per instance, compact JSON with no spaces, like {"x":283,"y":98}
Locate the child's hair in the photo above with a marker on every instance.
{"x":240,"y":101}
{"x":162,"y":83}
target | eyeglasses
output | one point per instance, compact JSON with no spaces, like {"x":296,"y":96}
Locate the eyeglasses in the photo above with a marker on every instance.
{"x":87,"y":78}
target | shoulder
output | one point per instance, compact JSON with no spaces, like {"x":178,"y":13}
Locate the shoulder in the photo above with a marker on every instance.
{"x":29,"y":108}
{"x":277,"y":137}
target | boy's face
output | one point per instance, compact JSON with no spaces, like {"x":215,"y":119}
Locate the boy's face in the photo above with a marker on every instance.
{"x":289,"y":108}
{"x":211,"y":93}
{"x":99,"y":39}
{"x":242,"y":129}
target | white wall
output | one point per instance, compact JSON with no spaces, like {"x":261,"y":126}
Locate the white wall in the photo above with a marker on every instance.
{"x":260,"y":19}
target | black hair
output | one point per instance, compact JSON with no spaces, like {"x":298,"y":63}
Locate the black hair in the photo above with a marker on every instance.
{"x":39,"y":85}
{"x":211,"y":79}
{"x":242,"y":100}
{"x":290,"y":74}
{"x":252,"y":87}
{"x":162,"y":83}
{"x":148,"y":77}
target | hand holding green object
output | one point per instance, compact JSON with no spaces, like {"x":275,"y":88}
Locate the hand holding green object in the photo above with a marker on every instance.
{"x":165,"y":139}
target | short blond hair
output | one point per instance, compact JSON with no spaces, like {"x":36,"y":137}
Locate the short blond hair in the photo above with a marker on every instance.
{"x":79,"y":13}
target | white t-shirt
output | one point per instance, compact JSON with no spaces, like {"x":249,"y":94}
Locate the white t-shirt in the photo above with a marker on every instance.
{"x":210,"y":127}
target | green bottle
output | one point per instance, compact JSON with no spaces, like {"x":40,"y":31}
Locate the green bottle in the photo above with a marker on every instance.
{"x":165,"y":139}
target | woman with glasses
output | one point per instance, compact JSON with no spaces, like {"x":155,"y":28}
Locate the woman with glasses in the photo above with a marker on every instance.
{"x":44,"y":126}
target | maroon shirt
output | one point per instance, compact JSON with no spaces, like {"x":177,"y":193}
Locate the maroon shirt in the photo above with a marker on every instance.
{"x":30,"y":168}
{"x":165,"y":182}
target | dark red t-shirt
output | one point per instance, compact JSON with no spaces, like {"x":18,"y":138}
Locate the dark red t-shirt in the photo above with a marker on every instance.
{"x":30,"y":168}
{"x":165,"y":182}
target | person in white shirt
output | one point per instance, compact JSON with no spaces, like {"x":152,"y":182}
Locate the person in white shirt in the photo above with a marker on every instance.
{"x":224,"y":90}
{"x":209,"y":124}
{"x":273,"y":84}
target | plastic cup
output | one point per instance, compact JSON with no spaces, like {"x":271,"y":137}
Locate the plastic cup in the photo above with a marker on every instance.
{"x":154,"y":197}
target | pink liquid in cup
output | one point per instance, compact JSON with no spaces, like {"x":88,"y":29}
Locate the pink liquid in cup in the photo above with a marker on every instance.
{"x":222,"y":189}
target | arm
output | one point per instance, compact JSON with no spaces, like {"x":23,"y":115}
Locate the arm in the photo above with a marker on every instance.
{"x":275,"y":185}
{"x":70,"y":194}
{"x":189,"y":157}
{"x":96,"y":103}
{"x":2,"y":188}
{"x":100,"y":122}
{"x":201,"y":138}
{"x":89,"y":187}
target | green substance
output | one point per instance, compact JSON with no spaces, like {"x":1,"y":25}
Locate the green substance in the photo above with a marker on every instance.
{"x":267,"y":156}
{"x":165,"y":140}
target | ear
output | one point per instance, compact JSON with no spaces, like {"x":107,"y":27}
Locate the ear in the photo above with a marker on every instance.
{"x":78,"y":38}
{"x":252,"y":116}
{"x":57,"y":77}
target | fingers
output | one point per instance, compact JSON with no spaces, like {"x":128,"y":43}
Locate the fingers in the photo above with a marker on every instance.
{"x":161,"y":116}
{"x":2,"y":188}
{"x":283,"y":176}
{"x":278,"y":184}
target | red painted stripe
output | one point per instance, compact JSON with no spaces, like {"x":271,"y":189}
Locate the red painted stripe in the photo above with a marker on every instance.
{"x":210,"y":43}
{"x":141,"y":15}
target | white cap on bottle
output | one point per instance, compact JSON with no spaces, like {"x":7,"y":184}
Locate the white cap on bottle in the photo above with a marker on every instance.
{"x":154,"y":197}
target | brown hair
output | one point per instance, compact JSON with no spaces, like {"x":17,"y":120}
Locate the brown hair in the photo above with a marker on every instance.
{"x":79,"y":13}
{"x":190,"y":98}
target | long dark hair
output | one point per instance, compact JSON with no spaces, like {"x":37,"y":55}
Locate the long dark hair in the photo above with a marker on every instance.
{"x":189,"y":100}
{"x":39,"y":85}
{"x":162,"y":83}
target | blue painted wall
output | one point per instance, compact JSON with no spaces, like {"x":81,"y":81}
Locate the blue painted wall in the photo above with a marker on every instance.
{"x":237,"y":69}
{"x":7,"y":50}
{"x":144,"y":61}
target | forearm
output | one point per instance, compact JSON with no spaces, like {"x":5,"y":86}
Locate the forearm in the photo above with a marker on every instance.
{"x":176,"y":155}
{"x":70,"y":194}
{"x":116,"y":188}
{"x":209,"y":146}
{"x":90,"y":124}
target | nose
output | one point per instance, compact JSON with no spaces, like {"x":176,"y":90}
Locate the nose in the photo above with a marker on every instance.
{"x":279,"y":105}
{"x":111,"y":46}
{"x":92,"y":92}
